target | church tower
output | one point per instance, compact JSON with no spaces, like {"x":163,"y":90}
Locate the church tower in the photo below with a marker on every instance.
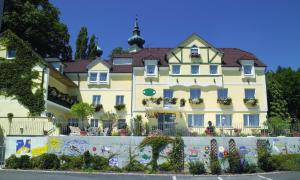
{"x":136,"y":41}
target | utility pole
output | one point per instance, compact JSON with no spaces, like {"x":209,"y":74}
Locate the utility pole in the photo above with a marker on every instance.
{"x":1,"y":12}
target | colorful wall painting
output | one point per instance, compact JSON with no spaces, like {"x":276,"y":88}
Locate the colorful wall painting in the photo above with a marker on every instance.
{"x":23,"y":146}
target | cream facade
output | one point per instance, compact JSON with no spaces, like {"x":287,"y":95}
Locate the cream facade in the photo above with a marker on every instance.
{"x":171,"y":88}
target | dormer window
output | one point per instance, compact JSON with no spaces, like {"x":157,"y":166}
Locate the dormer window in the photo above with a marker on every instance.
{"x":11,"y":54}
{"x":247,"y":67}
{"x":93,"y":77}
{"x":103,"y":77}
{"x":98,"y":77}
{"x":151,"y":68}
{"x":194,"y":51}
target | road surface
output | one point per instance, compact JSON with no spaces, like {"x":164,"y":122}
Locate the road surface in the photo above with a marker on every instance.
{"x":58,"y":175}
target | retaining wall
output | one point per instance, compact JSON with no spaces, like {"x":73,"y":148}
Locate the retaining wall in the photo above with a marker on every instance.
{"x":196,"y":148}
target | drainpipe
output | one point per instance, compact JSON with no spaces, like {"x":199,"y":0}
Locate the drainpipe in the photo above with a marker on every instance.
{"x":131,"y":91}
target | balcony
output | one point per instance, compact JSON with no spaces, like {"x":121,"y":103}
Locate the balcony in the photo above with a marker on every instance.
{"x":60,"y":98}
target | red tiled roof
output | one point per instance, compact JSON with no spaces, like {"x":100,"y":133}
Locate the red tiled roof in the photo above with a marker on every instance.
{"x":231,"y":57}
{"x":76,"y":66}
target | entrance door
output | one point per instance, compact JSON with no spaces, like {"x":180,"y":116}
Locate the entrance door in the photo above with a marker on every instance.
{"x":166,"y":121}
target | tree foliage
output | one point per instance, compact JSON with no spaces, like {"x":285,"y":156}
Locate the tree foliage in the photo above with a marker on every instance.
{"x":82,"y":44}
{"x":290,"y":82}
{"x":117,"y":50}
{"x":82,"y":110}
{"x":277,"y":103}
{"x":38,"y":22}
{"x":92,"y":48}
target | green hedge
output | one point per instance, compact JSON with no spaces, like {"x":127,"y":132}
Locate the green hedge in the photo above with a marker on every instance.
{"x":286,"y":162}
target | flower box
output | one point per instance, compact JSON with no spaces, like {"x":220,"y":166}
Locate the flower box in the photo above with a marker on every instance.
{"x":251,"y":101}
{"x":98,"y":107}
{"x":120,"y":107}
{"x":195,"y":55}
{"x":224,"y":101}
{"x":195,"y":100}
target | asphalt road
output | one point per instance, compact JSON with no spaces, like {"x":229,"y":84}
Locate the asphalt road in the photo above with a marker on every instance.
{"x":29,"y":175}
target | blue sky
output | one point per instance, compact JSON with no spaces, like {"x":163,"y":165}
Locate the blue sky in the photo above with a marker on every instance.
{"x":268,"y":28}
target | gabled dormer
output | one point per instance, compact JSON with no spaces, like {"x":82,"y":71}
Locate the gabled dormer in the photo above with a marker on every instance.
{"x":247,"y":68}
{"x":98,"y":72}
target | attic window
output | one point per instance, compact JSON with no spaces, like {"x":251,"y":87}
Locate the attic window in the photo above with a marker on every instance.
{"x":247,"y":67}
{"x":150,"y":67}
{"x":11,"y":54}
{"x":122,"y":61}
{"x":195,"y":51}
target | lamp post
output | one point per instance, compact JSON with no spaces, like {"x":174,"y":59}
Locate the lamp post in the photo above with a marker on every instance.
{"x":223,"y":119}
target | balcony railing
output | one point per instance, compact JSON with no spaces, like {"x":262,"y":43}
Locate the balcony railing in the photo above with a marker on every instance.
{"x":60,"y":98}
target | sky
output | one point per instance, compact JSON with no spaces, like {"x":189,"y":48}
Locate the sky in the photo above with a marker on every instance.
{"x":270,"y":29}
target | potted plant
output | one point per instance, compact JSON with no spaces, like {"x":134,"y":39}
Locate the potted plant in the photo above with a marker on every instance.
{"x":144,"y":102}
{"x":120,"y":107}
{"x":98,"y":107}
{"x":195,"y":100}
{"x":158,"y":100}
{"x":251,"y":101}
{"x":224,"y":101}
{"x":237,"y":131}
{"x":173,"y":100}
{"x":182,"y":102}
{"x":210,"y":129}
{"x":124,"y":131}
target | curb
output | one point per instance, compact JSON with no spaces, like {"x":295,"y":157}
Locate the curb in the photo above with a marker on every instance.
{"x":138,"y":174}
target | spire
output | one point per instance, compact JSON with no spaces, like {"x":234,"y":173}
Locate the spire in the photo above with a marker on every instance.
{"x":98,"y":49}
{"x":136,"y":41}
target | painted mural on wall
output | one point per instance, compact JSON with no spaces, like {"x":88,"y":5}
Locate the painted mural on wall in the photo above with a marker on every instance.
{"x":23,"y":147}
{"x":195,"y":149}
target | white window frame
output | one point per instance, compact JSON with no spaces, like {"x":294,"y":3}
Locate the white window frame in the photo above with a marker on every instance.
{"x":247,"y":63}
{"x":98,"y":77}
{"x":221,"y":120}
{"x":103,"y":82}
{"x":151,"y":63}
{"x":93,"y":122}
{"x":194,"y":47}
{"x":7,"y":52}
{"x":93,"y":100}
{"x":173,"y":68}
{"x":216,"y":65}
{"x":248,"y":90}
{"x":193,"y":120}
{"x":117,"y":103}
{"x":248,"y":120}
{"x":198,"y":69}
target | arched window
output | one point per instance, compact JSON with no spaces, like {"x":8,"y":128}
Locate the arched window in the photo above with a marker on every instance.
{"x":194,"y":51}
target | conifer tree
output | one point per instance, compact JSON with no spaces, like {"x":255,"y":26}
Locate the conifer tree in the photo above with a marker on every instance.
{"x":81,"y":44}
{"x":92,"y":48}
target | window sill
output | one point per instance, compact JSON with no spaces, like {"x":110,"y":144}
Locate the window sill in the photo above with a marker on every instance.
{"x":98,"y":83}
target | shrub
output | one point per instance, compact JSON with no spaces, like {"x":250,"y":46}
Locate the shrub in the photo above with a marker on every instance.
{"x":12,"y":162}
{"x":287,"y":162}
{"x":134,"y":165}
{"x":215,"y":166}
{"x":264,"y":159}
{"x":35,"y":162}
{"x":49,"y":161}
{"x":196,"y":167}
{"x":71,"y":162}
{"x":99,"y":162}
{"x":166,"y":166}
{"x":87,"y":159}
{"x":235,"y":165}
{"x":113,"y":168}
{"x":249,"y":168}
{"x":24,"y":162}
{"x":177,"y":155}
